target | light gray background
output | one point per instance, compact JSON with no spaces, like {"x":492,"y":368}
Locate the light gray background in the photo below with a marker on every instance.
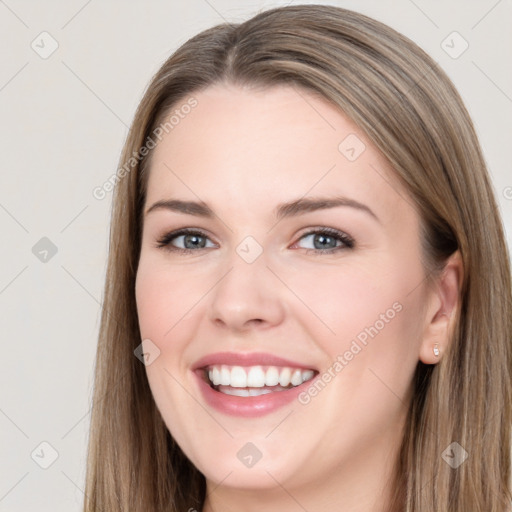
{"x":63,"y":122}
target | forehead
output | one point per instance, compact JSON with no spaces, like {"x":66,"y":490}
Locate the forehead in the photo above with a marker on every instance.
{"x":255,"y":147}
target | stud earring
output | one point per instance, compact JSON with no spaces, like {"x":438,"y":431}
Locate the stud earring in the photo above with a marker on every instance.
{"x":436,"y":350}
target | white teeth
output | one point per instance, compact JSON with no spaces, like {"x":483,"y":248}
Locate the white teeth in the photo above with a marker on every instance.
{"x":285,"y":377}
{"x":272,"y":376}
{"x":236,"y":392}
{"x":258,"y":392}
{"x":228,"y":390}
{"x":296,"y":379}
{"x":238,"y":377}
{"x":225,"y":376}
{"x":256,"y":377}
{"x":307,"y":375}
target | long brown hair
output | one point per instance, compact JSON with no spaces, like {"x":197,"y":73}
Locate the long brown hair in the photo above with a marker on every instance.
{"x":411,"y":111}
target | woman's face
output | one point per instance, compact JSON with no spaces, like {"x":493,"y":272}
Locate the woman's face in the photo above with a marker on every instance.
{"x":303,"y":264}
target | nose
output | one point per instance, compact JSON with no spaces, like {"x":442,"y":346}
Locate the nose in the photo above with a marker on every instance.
{"x":247,"y":297}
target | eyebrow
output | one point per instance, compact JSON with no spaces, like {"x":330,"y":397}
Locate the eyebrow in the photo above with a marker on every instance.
{"x":283,"y":210}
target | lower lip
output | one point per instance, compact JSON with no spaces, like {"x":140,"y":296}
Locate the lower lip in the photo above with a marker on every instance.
{"x":249,"y":406}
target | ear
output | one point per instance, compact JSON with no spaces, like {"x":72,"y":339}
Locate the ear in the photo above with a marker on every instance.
{"x":441,"y":311}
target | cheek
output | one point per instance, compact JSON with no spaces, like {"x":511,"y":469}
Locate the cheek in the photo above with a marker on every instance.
{"x":341,"y":302}
{"x":373,"y":352}
{"x":152,"y":304}
{"x":365,"y":316}
{"x":163,"y":297}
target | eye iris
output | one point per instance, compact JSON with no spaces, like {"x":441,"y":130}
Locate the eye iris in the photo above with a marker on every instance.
{"x":323,"y":238}
{"x":194,"y":241}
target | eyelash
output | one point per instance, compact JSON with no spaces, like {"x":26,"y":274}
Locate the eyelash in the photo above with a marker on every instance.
{"x":348,"y":242}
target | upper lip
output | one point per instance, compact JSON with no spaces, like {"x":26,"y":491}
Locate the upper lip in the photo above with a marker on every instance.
{"x":247,"y":359}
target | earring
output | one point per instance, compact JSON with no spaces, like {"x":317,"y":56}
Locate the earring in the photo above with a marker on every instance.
{"x":436,"y":350}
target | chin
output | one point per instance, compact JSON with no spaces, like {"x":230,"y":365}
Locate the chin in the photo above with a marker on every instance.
{"x":259,"y":477}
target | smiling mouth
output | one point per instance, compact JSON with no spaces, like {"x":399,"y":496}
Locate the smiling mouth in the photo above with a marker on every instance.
{"x":249,"y":381}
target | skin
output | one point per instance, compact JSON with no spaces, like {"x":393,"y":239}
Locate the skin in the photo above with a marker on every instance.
{"x":244,"y":151}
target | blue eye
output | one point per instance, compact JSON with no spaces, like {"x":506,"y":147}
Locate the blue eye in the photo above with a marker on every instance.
{"x":192,"y":239}
{"x":325,"y":240}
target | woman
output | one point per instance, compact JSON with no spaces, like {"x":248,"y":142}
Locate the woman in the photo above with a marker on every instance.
{"x":306,"y":255}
